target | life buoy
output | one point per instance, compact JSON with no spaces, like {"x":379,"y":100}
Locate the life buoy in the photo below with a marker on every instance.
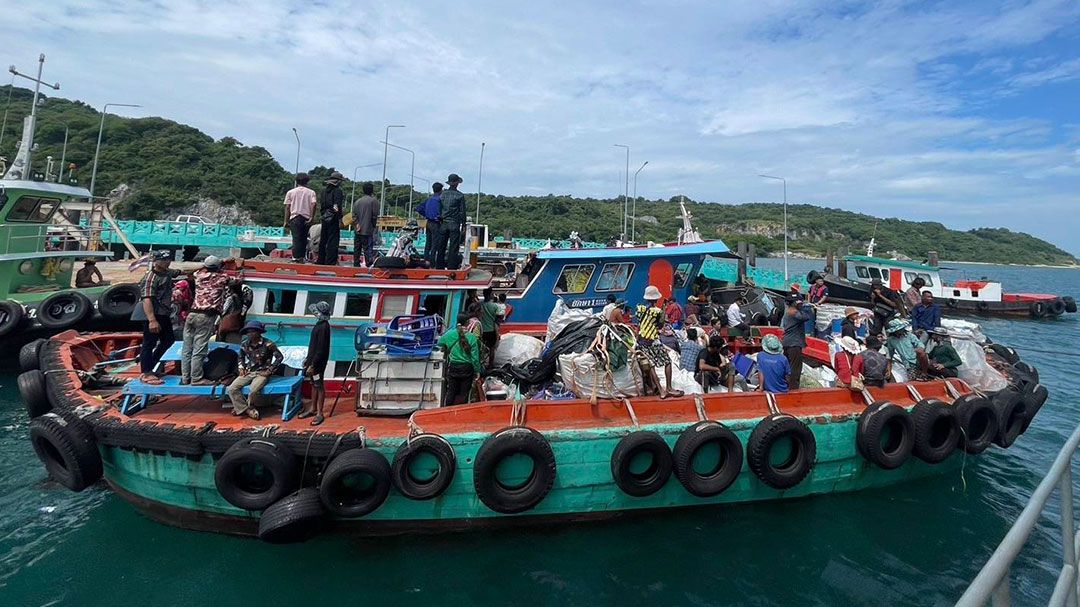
{"x":67,"y":448}
{"x":118,"y":301}
{"x":33,"y":393}
{"x":978,"y":422}
{"x":1033,"y":403}
{"x":294,"y":518}
{"x":708,"y":458}
{"x":1038,"y":309}
{"x":937,"y":432}
{"x":1056,"y":308}
{"x":424,"y":467}
{"x":12,"y":314}
{"x":518,"y":495}
{"x":1011,"y":414}
{"x":355,"y":483}
{"x":62,"y":310}
{"x":770,"y":434}
{"x":885,"y":435}
{"x":30,"y":355}
{"x":641,"y":463}
{"x":256,"y":472}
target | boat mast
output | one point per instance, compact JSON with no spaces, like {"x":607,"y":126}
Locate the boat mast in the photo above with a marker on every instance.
{"x":687,"y":234}
{"x":20,"y":168}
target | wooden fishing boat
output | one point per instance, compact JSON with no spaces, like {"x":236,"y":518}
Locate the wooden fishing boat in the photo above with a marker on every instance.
{"x":186,"y":461}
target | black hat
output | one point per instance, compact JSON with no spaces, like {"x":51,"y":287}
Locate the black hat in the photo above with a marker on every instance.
{"x":453,"y":178}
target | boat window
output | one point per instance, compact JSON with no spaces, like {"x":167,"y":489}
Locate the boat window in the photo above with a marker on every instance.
{"x":574,"y":279}
{"x":341,"y":369}
{"x":926,"y":277}
{"x":314,"y":297}
{"x":279,"y":301}
{"x":33,"y":209}
{"x":682,"y":275}
{"x":435,"y":303}
{"x":861,"y":272}
{"x":875,"y":273}
{"x":614,"y":277}
{"x":358,"y":304}
{"x":396,"y":305}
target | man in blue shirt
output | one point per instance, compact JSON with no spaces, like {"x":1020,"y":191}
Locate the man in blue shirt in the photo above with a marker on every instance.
{"x":430,"y":210}
{"x":773,"y":366}
{"x":927,"y":315}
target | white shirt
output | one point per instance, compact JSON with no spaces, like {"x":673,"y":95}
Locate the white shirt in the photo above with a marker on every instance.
{"x":606,"y":312}
{"x":734,"y":315}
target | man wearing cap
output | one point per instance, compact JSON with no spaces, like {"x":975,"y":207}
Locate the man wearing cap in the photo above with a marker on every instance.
{"x":773,"y":367}
{"x":847,"y":327}
{"x":299,"y":211}
{"x":452,"y":223}
{"x":259,"y":358}
{"x":905,"y":346}
{"x":794,"y":325}
{"x":153,"y":312}
{"x":89,"y":275}
{"x":318,"y":355}
{"x":210,"y":286}
{"x":333,"y":201}
{"x":365,"y":213}
{"x":944,"y":360}
{"x":430,"y":210}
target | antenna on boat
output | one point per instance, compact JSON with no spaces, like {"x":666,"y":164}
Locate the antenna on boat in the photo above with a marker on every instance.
{"x":870,"y":247}
{"x":20,"y":167}
{"x":687,"y":233}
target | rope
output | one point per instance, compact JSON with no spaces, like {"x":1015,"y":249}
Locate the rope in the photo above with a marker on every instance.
{"x":633,"y":414}
{"x":699,"y":404}
{"x":414,"y":429}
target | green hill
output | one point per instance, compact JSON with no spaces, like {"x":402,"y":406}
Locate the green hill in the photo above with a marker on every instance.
{"x":169,"y":166}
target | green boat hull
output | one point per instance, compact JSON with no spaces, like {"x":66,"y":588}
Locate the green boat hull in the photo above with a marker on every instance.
{"x":181,"y":491}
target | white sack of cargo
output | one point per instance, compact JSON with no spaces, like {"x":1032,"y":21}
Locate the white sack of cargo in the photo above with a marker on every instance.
{"x":964,"y":328}
{"x":975,"y":370}
{"x":560,"y":316}
{"x":828,"y":312}
{"x":515,"y":348}
{"x":681,"y":379}
{"x":588,"y":378}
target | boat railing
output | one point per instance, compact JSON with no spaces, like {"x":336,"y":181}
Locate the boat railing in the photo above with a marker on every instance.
{"x":992,"y":582}
{"x":40,"y":237}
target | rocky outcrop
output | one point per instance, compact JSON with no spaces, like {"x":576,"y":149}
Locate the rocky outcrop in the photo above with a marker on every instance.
{"x":215,"y":212}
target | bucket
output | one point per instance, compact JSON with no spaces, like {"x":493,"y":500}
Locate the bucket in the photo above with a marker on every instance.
{"x":836,"y":322}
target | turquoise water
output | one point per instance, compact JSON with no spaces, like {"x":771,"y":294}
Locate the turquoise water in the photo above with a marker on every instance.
{"x":915,"y":544}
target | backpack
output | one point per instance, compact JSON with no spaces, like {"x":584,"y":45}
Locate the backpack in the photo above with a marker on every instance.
{"x":221,"y":363}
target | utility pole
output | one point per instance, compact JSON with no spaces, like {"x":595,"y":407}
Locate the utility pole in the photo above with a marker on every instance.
{"x":28,"y":136}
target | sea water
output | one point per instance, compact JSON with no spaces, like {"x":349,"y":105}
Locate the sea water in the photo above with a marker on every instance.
{"x":913,"y":544}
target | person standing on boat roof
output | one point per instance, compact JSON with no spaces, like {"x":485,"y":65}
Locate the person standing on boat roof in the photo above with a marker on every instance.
{"x":299,"y":213}
{"x":452,"y":224}
{"x":794,"y":326}
{"x":318,"y":355}
{"x":463,"y":352}
{"x":259,"y":358}
{"x":926,"y":316}
{"x":652,"y":353}
{"x":154,"y":311}
{"x":201,"y":323}
{"x":944,"y":360}
{"x":774,"y":369}
{"x":430,"y":209}
{"x":913,"y":296}
{"x":89,"y":275}
{"x":333,"y":202}
{"x":365,"y":214}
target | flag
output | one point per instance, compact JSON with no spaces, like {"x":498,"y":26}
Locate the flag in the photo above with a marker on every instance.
{"x":142,"y":262}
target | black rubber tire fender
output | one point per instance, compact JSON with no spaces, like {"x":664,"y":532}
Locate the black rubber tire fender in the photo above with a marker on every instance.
{"x":937,"y":431}
{"x":982,"y":306}
{"x":978,"y":422}
{"x":515,"y":440}
{"x":338,"y":495}
{"x":812,"y":275}
{"x":30,"y":355}
{"x":1006,"y":353}
{"x":1038,"y":309}
{"x":630,"y":448}
{"x":1070,"y":304}
{"x":295,"y":518}
{"x":951,"y":303}
{"x":434,"y":446}
{"x":62,"y":310}
{"x":12,"y":314}
{"x":33,"y":393}
{"x":885,"y":435}
{"x":1055,"y":308}
{"x":66,"y":446}
{"x":1011,"y":413}
{"x":729,"y":464}
{"x":280,"y":477}
{"x":1033,"y":402}
{"x":764,"y":437}
{"x":1026,"y":374}
{"x":118,"y":301}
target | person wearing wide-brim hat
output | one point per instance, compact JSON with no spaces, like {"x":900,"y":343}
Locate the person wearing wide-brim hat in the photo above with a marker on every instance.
{"x":451,"y":225}
{"x":651,"y":352}
{"x":333,"y":205}
{"x":844,"y":360}
{"x":848,"y":326}
{"x":773,"y":366}
{"x":89,"y":275}
{"x":259,"y":358}
{"x":903,"y":344}
{"x":944,"y":360}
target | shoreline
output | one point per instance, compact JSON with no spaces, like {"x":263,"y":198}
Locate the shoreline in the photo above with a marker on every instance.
{"x":805,"y":257}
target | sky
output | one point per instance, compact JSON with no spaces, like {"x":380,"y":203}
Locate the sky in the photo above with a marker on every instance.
{"x":963,"y":112}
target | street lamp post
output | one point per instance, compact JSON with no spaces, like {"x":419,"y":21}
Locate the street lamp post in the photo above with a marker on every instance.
{"x":3,"y":126}
{"x":354,"y":173}
{"x":626,"y":190}
{"x":63,"y":155}
{"x":783,"y":181}
{"x":386,"y":139}
{"x":412,"y":177}
{"x":633,"y":221}
{"x":297,"y":171}
{"x":479,"y":182}
{"x":97,"y":150}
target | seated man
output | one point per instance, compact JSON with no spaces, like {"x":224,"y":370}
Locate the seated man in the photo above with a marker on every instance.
{"x":874,"y":367}
{"x":736,"y":319}
{"x":259,"y":358}
{"x":713,"y":367}
{"x":689,"y":350}
{"x":927,"y":315}
{"x":944,"y":361}
{"x":906,"y":347}
{"x":89,"y":275}
{"x":773,"y":366}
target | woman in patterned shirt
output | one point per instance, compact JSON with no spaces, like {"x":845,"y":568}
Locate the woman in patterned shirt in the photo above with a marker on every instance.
{"x":652,"y":353}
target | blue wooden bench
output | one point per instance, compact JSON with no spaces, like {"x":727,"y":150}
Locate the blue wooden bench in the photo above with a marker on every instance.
{"x":136,"y":393}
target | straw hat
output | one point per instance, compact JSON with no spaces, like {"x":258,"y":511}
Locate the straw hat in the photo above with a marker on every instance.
{"x":848,"y":311}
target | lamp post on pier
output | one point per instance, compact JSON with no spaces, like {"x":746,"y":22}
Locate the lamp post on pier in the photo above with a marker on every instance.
{"x":783,"y":181}
{"x":97,"y":150}
{"x":626,"y":191}
{"x":633,"y":220}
